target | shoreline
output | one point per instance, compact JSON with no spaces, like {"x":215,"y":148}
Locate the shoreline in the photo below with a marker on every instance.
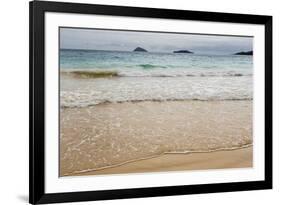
{"x":197,"y":161}
{"x":94,"y":171}
{"x":153,"y":100}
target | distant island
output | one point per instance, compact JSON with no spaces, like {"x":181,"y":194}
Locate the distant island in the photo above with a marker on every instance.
{"x":182,"y":51}
{"x":139,"y":49}
{"x":250,"y":53}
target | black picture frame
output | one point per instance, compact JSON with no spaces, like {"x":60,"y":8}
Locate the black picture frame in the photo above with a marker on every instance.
{"x":37,"y":9}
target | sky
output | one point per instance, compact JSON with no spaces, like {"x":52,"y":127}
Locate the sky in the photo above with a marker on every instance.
{"x":94,"y":39}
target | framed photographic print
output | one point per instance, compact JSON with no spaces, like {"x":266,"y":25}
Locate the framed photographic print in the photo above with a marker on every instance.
{"x":140,"y":102}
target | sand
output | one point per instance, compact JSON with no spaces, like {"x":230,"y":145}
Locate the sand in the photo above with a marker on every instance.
{"x":95,"y":138}
{"x":239,"y":158}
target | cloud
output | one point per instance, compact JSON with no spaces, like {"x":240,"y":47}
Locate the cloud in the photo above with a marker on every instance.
{"x":154,"y":42}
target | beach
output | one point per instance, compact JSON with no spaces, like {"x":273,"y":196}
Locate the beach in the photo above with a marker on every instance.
{"x":238,"y":158}
{"x":149,"y":136}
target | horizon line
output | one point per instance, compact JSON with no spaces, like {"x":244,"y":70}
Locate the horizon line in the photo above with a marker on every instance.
{"x":171,"y":52}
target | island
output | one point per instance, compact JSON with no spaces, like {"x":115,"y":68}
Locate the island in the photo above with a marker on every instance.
{"x":139,"y":49}
{"x":250,"y":53}
{"x":182,"y":51}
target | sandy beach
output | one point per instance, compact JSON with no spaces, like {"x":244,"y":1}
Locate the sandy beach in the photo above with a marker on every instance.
{"x":113,"y":138}
{"x":239,"y":158}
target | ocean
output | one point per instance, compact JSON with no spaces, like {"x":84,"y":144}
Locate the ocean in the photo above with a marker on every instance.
{"x":145,"y":76}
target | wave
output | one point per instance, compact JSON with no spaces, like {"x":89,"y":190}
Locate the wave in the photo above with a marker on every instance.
{"x":79,"y":105}
{"x":94,"y":74}
{"x":77,"y":92}
{"x":150,"y":66}
{"x":134,"y":73}
{"x":185,"y":75}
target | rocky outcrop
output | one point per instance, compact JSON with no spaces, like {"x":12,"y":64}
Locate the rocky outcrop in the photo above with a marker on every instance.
{"x":139,"y":49}
{"x":249,"y":53}
{"x":182,"y":51}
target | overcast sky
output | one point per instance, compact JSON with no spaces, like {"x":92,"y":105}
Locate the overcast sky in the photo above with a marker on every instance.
{"x":153,"y":42}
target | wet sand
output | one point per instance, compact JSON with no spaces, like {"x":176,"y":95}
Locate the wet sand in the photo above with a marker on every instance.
{"x":95,"y":138}
{"x":239,"y":158}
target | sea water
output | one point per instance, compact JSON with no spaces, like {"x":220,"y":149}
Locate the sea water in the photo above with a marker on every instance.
{"x":147,"y":76}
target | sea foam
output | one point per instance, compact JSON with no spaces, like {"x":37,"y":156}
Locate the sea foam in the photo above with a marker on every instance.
{"x":77,"y":92}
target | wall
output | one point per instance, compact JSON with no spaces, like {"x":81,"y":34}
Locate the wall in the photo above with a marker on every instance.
{"x":14,"y":100}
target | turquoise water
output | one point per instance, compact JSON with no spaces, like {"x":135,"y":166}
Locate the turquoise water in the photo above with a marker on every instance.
{"x":144,"y":63}
{"x":154,"y":76}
